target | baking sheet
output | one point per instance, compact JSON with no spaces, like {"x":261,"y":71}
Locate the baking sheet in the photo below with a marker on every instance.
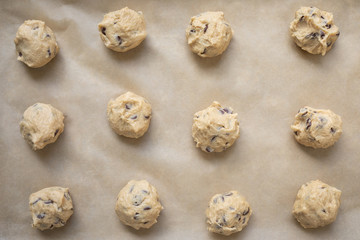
{"x":262,"y":75}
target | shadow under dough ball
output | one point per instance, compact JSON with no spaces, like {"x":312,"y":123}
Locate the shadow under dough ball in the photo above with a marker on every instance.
{"x":316,"y":204}
{"x":314,"y":30}
{"x":208,"y":34}
{"x":122,"y":30}
{"x":138,"y":204}
{"x":215,"y":128}
{"x":317,"y":128}
{"x":41,"y":125}
{"x":227,"y":213}
{"x":129,"y":115}
{"x":50,"y":207}
{"x":35,"y":43}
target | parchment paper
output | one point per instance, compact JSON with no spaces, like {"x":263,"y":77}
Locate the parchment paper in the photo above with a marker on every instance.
{"x":263,"y":75}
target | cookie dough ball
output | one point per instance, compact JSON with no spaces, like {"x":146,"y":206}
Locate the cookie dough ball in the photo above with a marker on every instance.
{"x":215,"y":128}
{"x":314,"y":30}
{"x":227,"y":213}
{"x":50,"y":207}
{"x":122,"y":30}
{"x":35,"y":43}
{"x":317,"y":128}
{"x":129,"y":115}
{"x":208,"y":34}
{"x":138,"y":204}
{"x":41,"y":124}
{"x":316,"y":204}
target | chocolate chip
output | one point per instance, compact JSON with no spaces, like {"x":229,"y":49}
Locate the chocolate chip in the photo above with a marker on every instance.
{"x":136,"y":216}
{"x":132,"y":188}
{"x":119,"y":39}
{"x":56,"y":132}
{"x":127,"y":106}
{"x":238,"y":217}
{"x":35,"y":27}
{"x":246,"y":211}
{"x":192,"y":30}
{"x":49,"y":52}
{"x":222,"y":198}
{"x":312,"y":35}
{"x":48,"y":36}
{"x":224,"y":220}
{"x":302,"y":18}
{"x":103,"y":31}
{"x":67,"y":196}
{"x":146,"y":222}
{"x":51,"y":226}
{"x":328,"y":44}
{"x":227,"y":110}
{"x":213,"y":138}
{"x":322,"y":17}
{"x":229,"y":194}
{"x":48,"y":202}
{"x":296,"y":133}
{"x":204,"y":51}
{"x":332,"y":130}
{"x":222,"y":111}
{"x":322,"y":34}
{"x":243,"y":222}
{"x":322,"y":187}
{"x":338,"y":34}
{"x":133,"y":117}
{"x":20,"y":54}
{"x":115,"y":22}
{"x":208,"y":149}
{"x":328,"y":26}
{"x":40,"y":216}
{"x":144,"y":191}
{"x":146,"y":117}
{"x":324,"y":211}
{"x":226,"y":143}
{"x":36,"y":201}
{"x":304,"y":114}
{"x":206,"y":27}
{"x":147,"y":208}
{"x":308,"y":123}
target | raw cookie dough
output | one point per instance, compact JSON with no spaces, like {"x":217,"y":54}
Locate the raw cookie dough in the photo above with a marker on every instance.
{"x":35,"y":43}
{"x":122,"y":30}
{"x":227,"y":213}
{"x":50,"y":207}
{"x":129,"y":115}
{"x":208,"y":34}
{"x":313,"y":30}
{"x":41,"y":124}
{"x":215,"y":128}
{"x":316,"y":204}
{"x":317,"y":128}
{"x":138,"y":205}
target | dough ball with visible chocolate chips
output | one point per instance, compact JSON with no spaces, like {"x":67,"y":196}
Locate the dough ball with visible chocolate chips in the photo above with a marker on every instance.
{"x":317,"y":128}
{"x":138,"y":204}
{"x":122,"y":30}
{"x":208,"y":34}
{"x":35,"y":43}
{"x":215,"y":128}
{"x":316,"y":204}
{"x":314,"y":30}
{"x":129,"y":115}
{"x":41,"y":124}
{"x":227,"y":213}
{"x":50,"y":207}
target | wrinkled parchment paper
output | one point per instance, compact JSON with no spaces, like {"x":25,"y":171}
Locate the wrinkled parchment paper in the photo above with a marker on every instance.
{"x":263,"y":75}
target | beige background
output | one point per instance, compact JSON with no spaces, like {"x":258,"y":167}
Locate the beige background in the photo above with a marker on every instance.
{"x":262,"y":75}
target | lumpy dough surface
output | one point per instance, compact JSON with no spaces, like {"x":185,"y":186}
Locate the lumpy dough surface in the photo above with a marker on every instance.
{"x":138,"y":204}
{"x":314,"y":30}
{"x":50,"y":207}
{"x":316,"y":204}
{"x":35,"y":43}
{"x":227,"y":213}
{"x":41,"y":124}
{"x":122,"y":30}
{"x":208,"y":34}
{"x":129,"y":115}
{"x":317,"y":128}
{"x":215,"y":128}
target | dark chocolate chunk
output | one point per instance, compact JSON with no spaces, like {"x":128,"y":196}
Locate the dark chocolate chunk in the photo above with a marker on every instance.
{"x":48,"y":202}
{"x":308,"y":123}
{"x":324,"y":211}
{"x":204,"y":51}
{"x":238,"y":217}
{"x":146,"y":117}
{"x":322,"y":17}
{"x":243,"y":222}
{"x":322,"y":34}
{"x":48,"y":36}
{"x":302,"y":18}
{"x":103,"y":30}
{"x":312,"y":35}
{"x":246,"y":211}
{"x":222,"y":111}
{"x":20,"y":54}
{"x":206,"y":28}
{"x":49,"y":52}
{"x":56,"y":132}
{"x":332,"y":130}
{"x":146,"y":222}
{"x":208,"y":149}
{"x":222,"y":198}
{"x":147,"y":208}
{"x":36,"y":201}
{"x":224,"y":220}
{"x":328,"y":26}
{"x":228,"y":194}
{"x":134,"y":117}
{"x":40,"y":216}
{"x":213,"y":138}
{"x":127,"y":106}
{"x":118,"y":38}
{"x":338,"y":34}
{"x":296,"y":133}
{"x":51,"y":226}
{"x":37,"y":27}
{"x":144,"y":191}
{"x":328,"y":44}
{"x":67,"y":196}
{"x":192,"y":30}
